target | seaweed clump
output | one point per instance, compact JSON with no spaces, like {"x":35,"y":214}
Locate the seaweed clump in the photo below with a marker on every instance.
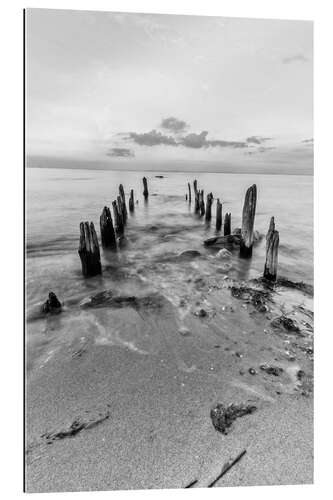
{"x":257,"y":298}
{"x":223,"y":416}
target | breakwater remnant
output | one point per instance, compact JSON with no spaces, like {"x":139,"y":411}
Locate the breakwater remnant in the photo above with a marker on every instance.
{"x":189,"y":192}
{"x":209,"y":203}
{"x":123,"y":203}
{"x":131,"y":201}
{"x":227,"y":224}
{"x":145,"y":188}
{"x":201,"y":203}
{"x":108,"y":236}
{"x":249,"y":211}
{"x":196,"y":196}
{"x":218,"y":215}
{"x":272,"y":248}
{"x":89,"y":250}
{"x":118,"y":220}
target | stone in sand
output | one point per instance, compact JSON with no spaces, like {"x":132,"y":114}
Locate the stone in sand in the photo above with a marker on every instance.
{"x":52,"y":304}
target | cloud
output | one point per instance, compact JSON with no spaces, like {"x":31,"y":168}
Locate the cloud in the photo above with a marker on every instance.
{"x":121,"y":153}
{"x":174,"y":125}
{"x":257,"y":139}
{"x":195,"y":140}
{"x":295,"y":58}
{"x":152,"y":138}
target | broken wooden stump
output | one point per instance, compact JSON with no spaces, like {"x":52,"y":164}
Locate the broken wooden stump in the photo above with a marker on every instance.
{"x":123,"y":199}
{"x":209,"y":203}
{"x":218,"y":215}
{"x":249,"y":211}
{"x":196,"y":197}
{"x":227,"y":224}
{"x":52,"y":304}
{"x":107,"y":231}
{"x":131,"y":201}
{"x":189,"y":192}
{"x":272,"y":247}
{"x":201,"y":202}
{"x":145,"y":188}
{"x":89,"y":250}
{"x":118,"y":220}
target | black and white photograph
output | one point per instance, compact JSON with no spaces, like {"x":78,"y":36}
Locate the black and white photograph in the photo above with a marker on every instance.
{"x":169,"y":227}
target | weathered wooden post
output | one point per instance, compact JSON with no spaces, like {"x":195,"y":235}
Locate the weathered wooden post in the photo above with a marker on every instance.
{"x":249,"y":211}
{"x":272,"y":248}
{"x":196,"y":197}
{"x":227,"y":224}
{"x":123,"y":199}
{"x":209,"y":206}
{"x":89,"y":250}
{"x":107,"y":232}
{"x":145,"y":188}
{"x":218,"y":215}
{"x":201,"y":202}
{"x":131,"y":201}
{"x":118,"y":220}
{"x":189,"y":192}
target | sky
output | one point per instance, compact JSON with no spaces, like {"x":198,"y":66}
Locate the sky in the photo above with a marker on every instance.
{"x":119,"y":87}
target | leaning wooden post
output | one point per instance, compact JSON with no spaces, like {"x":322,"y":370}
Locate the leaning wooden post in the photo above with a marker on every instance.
{"x":227,"y":224}
{"x":249,"y":211}
{"x":209,"y":206}
{"x":123,"y":199}
{"x":201,"y":202}
{"x":131,"y":201}
{"x":145,"y":188}
{"x":272,"y":248}
{"x":89,"y":250}
{"x":196,"y":197}
{"x":118,"y":220}
{"x":218,"y":215}
{"x":189,"y":192}
{"x":107,"y":232}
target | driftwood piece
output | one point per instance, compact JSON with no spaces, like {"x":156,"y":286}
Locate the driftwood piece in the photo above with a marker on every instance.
{"x":209,"y":206}
{"x":218,"y":215}
{"x":227,"y":466}
{"x":107,"y":231}
{"x":189,"y":192}
{"x":123,"y":199}
{"x":196,"y":196}
{"x":272,"y":248}
{"x":131,"y":201}
{"x":249,"y":211}
{"x":145,"y":188}
{"x":201,"y":202}
{"x":227,"y":224}
{"x":118,"y":220}
{"x":89,"y":250}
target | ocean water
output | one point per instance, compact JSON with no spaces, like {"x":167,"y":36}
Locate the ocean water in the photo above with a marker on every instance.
{"x":57,"y":200}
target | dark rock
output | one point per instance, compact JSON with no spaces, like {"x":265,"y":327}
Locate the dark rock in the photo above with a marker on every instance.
{"x":159,"y":176}
{"x":272,"y":370}
{"x":108,"y":299}
{"x":52,"y":305}
{"x":285,"y":322}
{"x":223,"y":241}
{"x":252,"y":371}
{"x":202,"y":313}
{"x":223,"y":416}
{"x":190,"y":253}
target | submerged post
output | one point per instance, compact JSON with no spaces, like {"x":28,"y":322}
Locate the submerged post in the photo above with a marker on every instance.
{"x":89,"y":250}
{"x":123,"y":199}
{"x":145,"y":188}
{"x":227,"y":224}
{"x":189,"y":192}
{"x":118,"y":220}
{"x":201,"y":202}
{"x":272,"y":248}
{"x":249,"y":211}
{"x":218,"y":215}
{"x":209,"y":206}
{"x":131,"y":201}
{"x":107,"y":232}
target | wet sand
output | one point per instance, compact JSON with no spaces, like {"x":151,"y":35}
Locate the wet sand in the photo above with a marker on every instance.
{"x":154,"y":390}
